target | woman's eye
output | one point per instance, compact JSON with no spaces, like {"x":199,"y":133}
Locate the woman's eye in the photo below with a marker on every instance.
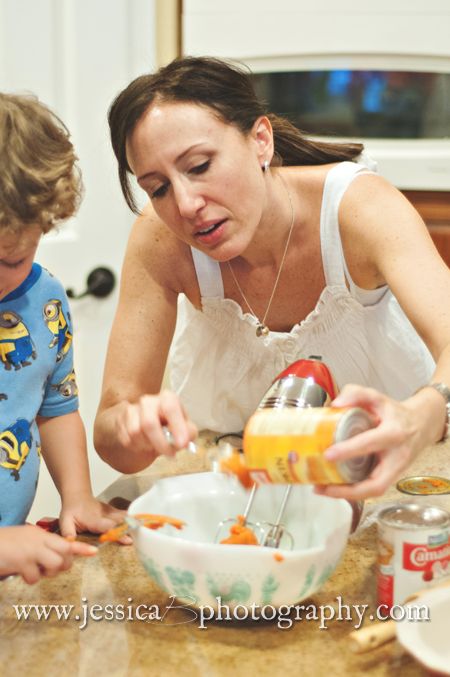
{"x":159,"y":192}
{"x":200,"y":169}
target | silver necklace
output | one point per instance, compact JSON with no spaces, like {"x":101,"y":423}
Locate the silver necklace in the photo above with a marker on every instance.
{"x":261,"y":328}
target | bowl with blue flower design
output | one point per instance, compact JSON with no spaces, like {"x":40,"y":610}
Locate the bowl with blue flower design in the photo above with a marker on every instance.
{"x":190,"y":565}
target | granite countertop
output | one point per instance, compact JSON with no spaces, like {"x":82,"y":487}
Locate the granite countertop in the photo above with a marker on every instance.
{"x":176,"y":645}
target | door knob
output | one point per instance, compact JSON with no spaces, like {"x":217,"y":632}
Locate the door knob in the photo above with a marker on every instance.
{"x":100,"y":282}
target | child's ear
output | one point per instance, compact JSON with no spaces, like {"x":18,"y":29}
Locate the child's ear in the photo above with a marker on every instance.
{"x":262,"y":133}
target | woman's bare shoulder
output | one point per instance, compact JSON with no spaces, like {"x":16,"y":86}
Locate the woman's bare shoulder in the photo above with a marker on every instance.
{"x":153,"y":247}
{"x":310,"y":178}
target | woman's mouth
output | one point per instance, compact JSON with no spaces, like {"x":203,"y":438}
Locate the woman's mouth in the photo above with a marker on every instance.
{"x":211,"y":233}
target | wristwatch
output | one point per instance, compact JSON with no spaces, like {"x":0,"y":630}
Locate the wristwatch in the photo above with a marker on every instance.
{"x":445,"y":392}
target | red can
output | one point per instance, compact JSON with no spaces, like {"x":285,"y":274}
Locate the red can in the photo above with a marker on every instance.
{"x":413,"y":550}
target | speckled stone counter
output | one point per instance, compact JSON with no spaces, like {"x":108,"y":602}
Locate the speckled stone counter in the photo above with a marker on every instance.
{"x":176,"y":645}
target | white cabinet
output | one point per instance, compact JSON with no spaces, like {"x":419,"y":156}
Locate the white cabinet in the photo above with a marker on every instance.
{"x":245,"y":29}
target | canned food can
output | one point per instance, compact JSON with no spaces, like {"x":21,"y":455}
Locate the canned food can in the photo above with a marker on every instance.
{"x":288,"y":445}
{"x":413,"y":550}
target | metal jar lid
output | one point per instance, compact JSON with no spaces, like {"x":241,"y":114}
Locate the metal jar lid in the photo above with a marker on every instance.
{"x":414,"y":516}
{"x":424,"y":485}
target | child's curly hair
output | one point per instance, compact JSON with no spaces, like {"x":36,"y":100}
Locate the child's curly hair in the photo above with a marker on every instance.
{"x":40,"y":183}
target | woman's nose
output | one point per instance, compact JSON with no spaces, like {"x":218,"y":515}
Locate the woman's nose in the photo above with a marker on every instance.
{"x":189,"y":200}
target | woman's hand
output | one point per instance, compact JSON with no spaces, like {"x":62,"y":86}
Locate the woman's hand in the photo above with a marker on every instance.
{"x":140,"y":426}
{"x":403,"y":429}
{"x":32,"y":553}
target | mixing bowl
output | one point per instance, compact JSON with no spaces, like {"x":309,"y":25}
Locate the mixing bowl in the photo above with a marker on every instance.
{"x":189,"y":565}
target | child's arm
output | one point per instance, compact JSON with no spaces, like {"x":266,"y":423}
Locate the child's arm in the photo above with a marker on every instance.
{"x":32,"y":552}
{"x":63,"y":443}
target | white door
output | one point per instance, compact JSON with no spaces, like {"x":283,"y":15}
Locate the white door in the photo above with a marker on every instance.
{"x":76,"y":55}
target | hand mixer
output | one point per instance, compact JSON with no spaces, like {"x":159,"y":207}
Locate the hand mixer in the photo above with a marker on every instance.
{"x":267,"y":534}
{"x":305,"y":383}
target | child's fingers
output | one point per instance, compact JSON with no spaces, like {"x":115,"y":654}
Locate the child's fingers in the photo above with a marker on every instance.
{"x":125,"y":540}
{"x":31,"y":573}
{"x":114,"y":514}
{"x":67,"y":526}
{"x":83,"y":549}
{"x":51,"y":562}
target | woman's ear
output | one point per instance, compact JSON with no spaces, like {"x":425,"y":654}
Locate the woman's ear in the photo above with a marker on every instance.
{"x":263,"y":135}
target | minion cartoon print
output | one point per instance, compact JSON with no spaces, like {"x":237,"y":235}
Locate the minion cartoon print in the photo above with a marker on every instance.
{"x":15,"y":444}
{"x":58,"y":326}
{"x":68,"y":386}
{"x":16,"y":346}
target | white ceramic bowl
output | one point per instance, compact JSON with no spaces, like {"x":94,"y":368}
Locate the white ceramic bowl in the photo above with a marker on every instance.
{"x":191,"y":566}
{"x":427,"y":640}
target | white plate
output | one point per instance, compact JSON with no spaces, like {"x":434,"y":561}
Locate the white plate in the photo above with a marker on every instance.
{"x":429,"y":641}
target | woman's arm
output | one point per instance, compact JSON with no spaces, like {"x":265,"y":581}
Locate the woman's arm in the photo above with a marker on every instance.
{"x":386,"y":242}
{"x":128,"y":428}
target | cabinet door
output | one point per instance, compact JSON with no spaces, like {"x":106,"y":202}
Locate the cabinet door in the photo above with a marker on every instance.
{"x":434,"y":208}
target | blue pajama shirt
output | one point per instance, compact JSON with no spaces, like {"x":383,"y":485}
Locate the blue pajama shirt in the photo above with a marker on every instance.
{"x":36,"y":379}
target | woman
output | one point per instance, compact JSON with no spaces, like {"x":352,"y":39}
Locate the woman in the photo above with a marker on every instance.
{"x":283,"y":247}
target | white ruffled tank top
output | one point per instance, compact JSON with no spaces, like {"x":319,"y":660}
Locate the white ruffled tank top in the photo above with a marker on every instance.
{"x":221,"y":369}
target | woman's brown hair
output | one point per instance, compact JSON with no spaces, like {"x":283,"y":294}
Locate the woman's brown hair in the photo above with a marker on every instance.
{"x":39,"y":181}
{"x":224,"y":88}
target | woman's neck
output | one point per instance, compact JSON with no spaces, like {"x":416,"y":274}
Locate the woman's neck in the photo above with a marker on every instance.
{"x":278,"y":223}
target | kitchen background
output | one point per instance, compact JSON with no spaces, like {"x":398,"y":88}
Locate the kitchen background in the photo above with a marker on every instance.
{"x":381,"y":73}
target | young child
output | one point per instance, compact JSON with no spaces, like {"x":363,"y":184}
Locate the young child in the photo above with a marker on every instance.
{"x":39,"y":187}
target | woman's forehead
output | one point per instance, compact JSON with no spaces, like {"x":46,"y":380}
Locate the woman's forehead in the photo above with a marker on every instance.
{"x":171,"y":129}
{"x":181,"y":113}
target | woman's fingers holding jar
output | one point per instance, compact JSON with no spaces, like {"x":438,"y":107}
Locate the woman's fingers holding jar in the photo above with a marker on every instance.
{"x":360,"y":396}
{"x":386,"y":471}
{"x":396,"y":427}
{"x":389,"y":437}
{"x":393,"y":442}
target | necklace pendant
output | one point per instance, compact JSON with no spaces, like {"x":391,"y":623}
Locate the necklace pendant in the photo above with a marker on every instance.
{"x":262,"y":330}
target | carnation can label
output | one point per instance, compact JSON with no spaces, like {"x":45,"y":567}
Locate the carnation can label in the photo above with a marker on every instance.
{"x":413,"y":550}
{"x":287,"y":445}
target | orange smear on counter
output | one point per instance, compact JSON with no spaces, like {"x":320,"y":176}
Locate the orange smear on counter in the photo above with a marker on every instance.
{"x":240,"y":534}
{"x":277,"y":557}
{"x":148,"y":521}
{"x":234,"y":465}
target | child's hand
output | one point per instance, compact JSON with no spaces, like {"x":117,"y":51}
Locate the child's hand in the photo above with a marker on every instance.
{"x":88,"y":514}
{"x":33,"y":553}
